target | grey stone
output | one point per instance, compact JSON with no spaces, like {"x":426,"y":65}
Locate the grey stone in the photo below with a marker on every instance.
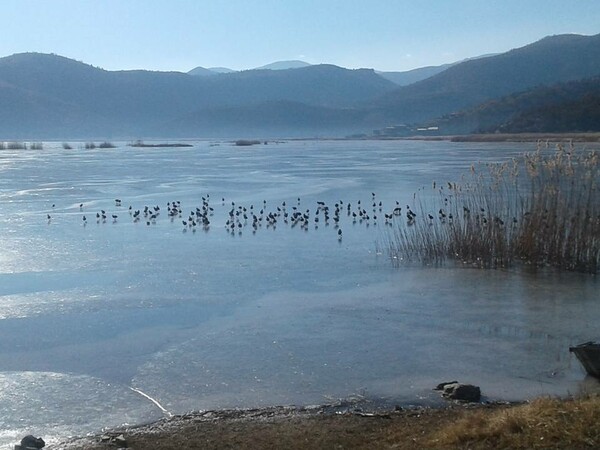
{"x":120,"y":441}
{"x":462,"y":392}
{"x":31,"y":442}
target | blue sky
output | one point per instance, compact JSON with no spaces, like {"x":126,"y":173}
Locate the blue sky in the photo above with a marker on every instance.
{"x":241,"y":34}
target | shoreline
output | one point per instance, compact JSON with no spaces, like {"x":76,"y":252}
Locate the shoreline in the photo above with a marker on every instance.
{"x":219,"y":426}
{"x":501,"y":137}
{"x":497,"y":137}
{"x":592,"y":137}
{"x":543,"y":423}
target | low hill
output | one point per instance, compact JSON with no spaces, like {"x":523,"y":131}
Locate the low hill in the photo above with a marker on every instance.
{"x":564,"y":107}
{"x":88,"y":98}
{"x":569,"y":116}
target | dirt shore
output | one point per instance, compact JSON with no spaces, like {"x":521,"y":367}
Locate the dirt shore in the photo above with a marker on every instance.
{"x":287,"y":428}
{"x":543,"y":423}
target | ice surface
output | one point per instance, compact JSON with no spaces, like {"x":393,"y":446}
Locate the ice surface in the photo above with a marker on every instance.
{"x":283,"y":315}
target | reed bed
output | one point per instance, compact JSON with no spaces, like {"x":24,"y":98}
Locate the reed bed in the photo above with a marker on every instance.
{"x":542,"y":209}
{"x":93,"y":145}
{"x":16,"y":145}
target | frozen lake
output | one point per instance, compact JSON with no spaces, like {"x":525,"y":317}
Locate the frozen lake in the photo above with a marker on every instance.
{"x":98,"y":315}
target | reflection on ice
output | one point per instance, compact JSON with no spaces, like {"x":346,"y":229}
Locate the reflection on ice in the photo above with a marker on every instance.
{"x":391,"y":340}
{"x":51,"y":404}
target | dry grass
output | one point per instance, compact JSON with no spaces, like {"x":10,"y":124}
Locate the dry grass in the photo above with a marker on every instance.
{"x":543,"y":424}
{"x":542,"y":210}
{"x":14,"y":145}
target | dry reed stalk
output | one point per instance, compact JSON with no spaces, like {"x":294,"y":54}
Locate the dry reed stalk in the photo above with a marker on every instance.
{"x":542,"y":209}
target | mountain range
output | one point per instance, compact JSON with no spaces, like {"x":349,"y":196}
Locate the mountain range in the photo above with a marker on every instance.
{"x":46,"y":96}
{"x":399,"y":78}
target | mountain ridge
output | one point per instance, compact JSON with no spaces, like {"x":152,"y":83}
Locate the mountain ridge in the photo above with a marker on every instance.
{"x":48,"y":95}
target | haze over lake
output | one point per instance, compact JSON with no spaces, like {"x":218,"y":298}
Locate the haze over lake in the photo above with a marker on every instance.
{"x":202,"y":317}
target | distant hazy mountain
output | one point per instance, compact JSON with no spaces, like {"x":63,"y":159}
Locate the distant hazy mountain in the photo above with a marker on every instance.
{"x":284,"y":65}
{"x":221,"y":69}
{"x":414,"y":75}
{"x":202,"y":72}
{"x":278,"y":65}
{"x":551,"y":60}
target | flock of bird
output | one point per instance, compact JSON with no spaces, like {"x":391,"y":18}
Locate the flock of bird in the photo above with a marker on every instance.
{"x":238,"y":216}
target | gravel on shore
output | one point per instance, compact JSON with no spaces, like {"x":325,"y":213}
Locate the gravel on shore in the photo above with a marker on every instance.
{"x":284,"y":427}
